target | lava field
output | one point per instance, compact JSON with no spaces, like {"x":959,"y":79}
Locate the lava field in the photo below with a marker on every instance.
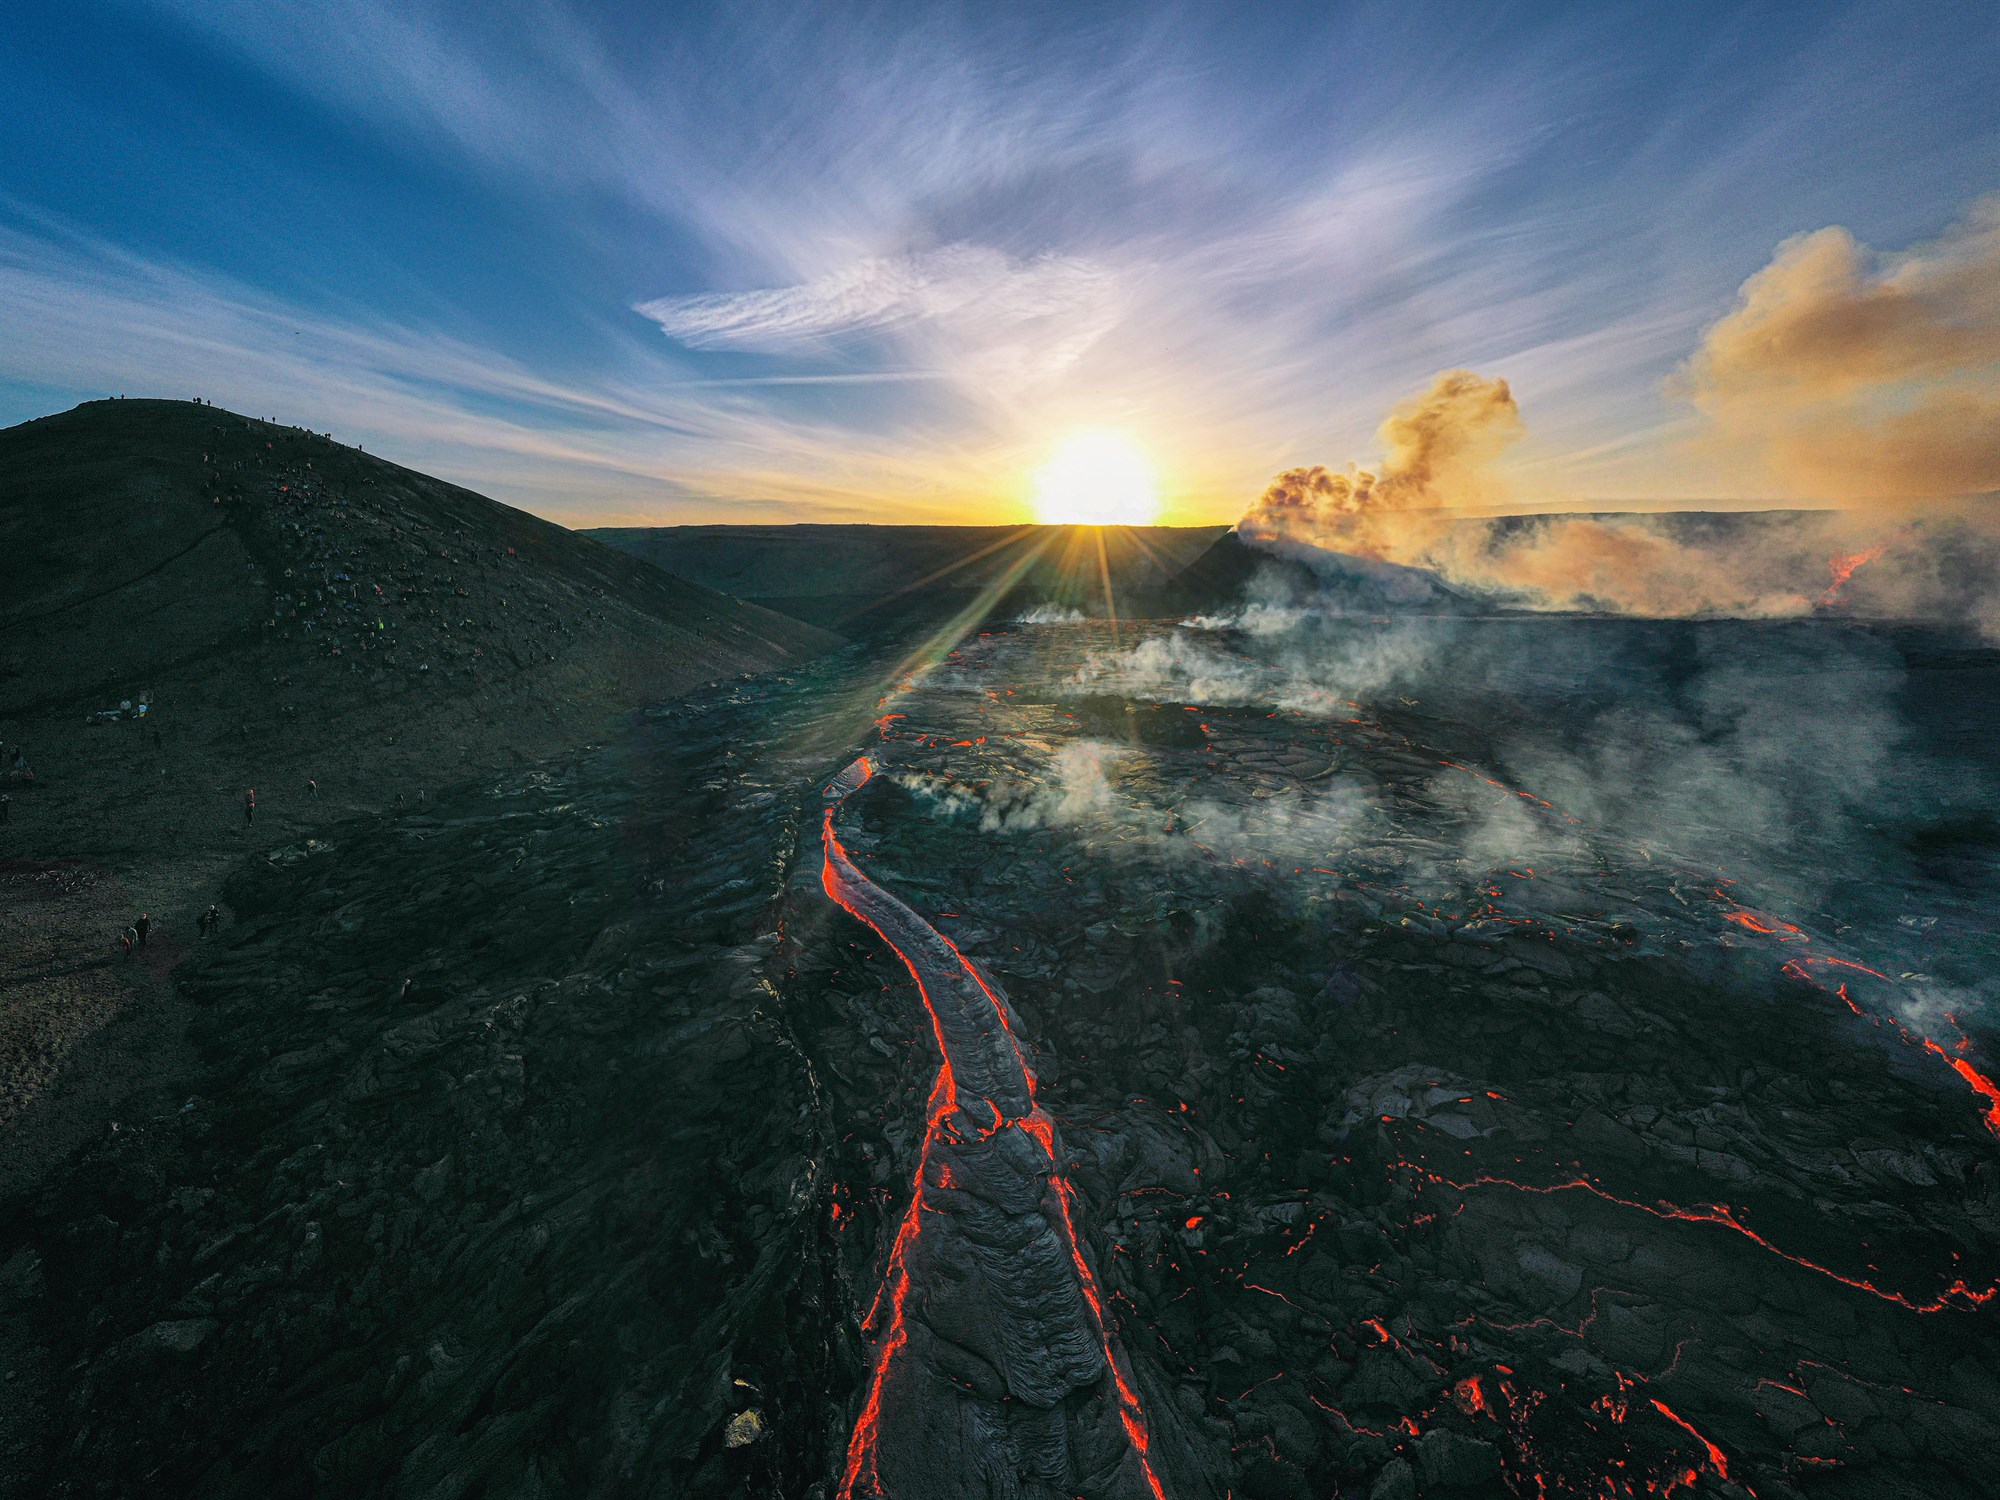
{"x":1252,"y":1057}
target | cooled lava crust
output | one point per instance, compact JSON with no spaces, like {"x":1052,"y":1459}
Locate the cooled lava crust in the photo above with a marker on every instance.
{"x":1156,"y":1071}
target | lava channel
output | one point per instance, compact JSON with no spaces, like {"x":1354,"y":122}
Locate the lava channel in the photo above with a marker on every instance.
{"x":992,"y":1367}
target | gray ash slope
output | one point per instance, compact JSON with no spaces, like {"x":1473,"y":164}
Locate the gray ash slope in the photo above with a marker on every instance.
{"x":1437,"y":1124}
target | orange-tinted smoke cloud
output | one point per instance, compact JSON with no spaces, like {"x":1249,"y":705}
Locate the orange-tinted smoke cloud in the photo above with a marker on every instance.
{"x":1440,"y":452}
{"x":1870,"y":380}
{"x":1856,"y":376}
{"x":1439,"y":447}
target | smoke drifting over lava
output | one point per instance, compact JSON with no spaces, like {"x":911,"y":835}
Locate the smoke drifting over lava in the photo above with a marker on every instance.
{"x":1440,"y":446}
{"x":1840,"y":376}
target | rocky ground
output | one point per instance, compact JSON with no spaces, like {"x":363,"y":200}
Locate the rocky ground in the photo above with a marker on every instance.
{"x":1429,"y":1131}
{"x":1437,"y":1141}
{"x":500,"y":1173}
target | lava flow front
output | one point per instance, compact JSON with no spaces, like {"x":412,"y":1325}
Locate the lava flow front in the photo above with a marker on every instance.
{"x":994,"y":1369}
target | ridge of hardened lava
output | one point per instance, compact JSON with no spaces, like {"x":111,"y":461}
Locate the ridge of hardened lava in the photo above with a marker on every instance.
{"x":984,"y":1092}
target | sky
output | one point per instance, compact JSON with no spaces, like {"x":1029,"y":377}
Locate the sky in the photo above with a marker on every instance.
{"x":637,"y":263}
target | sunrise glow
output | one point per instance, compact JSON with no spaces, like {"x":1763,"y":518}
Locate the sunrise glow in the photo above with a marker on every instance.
{"x":1097,"y":479}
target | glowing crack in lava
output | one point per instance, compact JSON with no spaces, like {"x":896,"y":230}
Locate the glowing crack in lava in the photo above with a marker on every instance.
{"x":989,"y":1322}
{"x":1958,"y":1297}
{"x":1844,"y":568}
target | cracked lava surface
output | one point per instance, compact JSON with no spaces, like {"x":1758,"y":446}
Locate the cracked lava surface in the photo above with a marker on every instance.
{"x":989,"y":1250}
{"x":1434,"y":1148}
{"x":1212,"y":1061}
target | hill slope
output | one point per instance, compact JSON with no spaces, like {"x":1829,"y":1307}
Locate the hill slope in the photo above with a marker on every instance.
{"x":277,"y":596}
{"x":291,"y":612}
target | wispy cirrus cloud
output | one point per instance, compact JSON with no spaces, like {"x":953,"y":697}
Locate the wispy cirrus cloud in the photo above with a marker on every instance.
{"x":82,"y":314}
{"x":986,"y":314}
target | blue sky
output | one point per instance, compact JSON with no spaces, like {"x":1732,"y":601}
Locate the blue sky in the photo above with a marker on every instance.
{"x":704,"y":263}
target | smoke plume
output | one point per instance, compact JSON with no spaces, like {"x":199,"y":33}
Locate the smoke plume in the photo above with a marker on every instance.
{"x":1854,"y":376}
{"x":1439,"y":449}
{"x":1841,"y":374}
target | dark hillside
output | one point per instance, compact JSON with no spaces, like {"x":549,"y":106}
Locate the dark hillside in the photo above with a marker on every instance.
{"x":288,"y":611}
{"x":289,"y":605}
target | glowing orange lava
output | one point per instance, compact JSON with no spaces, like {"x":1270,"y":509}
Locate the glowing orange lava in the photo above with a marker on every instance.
{"x":1715,"y":1455}
{"x":1844,"y":568}
{"x":849,"y":888}
{"x":1958,"y":1297}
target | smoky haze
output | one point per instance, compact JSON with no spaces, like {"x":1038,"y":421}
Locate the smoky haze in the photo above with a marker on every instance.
{"x":1818,"y":768}
{"x":1862,"y":377}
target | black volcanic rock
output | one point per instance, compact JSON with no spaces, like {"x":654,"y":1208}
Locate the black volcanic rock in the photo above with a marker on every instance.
{"x":991,"y":1354}
{"x":146,"y":544}
{"x":195,"y":605}
{"x":547,"y":1222}
{"x":1423,"y":1137}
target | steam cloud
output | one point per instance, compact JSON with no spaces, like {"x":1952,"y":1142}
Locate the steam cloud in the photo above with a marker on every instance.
{"x":1775,"y":762}
{"x":1844,"y":375}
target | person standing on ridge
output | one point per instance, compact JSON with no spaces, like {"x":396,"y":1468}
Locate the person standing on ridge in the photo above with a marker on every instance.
{"x":141,"y":927}
{"x":250,"y":805}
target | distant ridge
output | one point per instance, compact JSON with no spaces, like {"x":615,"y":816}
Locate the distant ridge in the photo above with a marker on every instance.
{"x":1232,"y":571}
{"x":858,"y":576}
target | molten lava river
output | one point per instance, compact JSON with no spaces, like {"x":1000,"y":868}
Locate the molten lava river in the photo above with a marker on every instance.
{"x":1244,"y":1082}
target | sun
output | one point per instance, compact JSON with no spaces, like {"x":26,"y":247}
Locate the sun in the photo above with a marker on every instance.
{"x":1096,"y":479}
